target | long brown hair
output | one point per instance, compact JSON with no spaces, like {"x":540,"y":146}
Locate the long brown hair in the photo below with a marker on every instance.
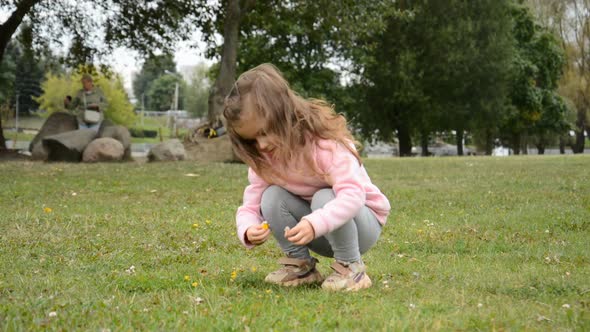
{"x":297,"y":122}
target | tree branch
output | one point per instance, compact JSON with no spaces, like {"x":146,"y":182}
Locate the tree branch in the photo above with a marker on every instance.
{"x":8,"y":28}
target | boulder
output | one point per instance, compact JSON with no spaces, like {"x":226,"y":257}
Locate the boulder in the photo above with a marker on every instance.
{"x":56,"y":123}
{"x":103,"y":149}
{"x":68,"y":146}
{"x":120,"y":134}
{"x":171,"y":150}
{"x":206,"y":150}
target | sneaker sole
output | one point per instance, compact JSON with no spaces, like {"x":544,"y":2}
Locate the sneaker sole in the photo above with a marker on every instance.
{"x":309,"y":280}
{"x":363,"y":284}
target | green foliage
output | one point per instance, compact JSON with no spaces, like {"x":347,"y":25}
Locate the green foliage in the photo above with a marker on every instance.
{"x":153,"y":67}
{"x":471,"y":244}
{"x":302,"y":38}
{"x":8,"y":74}
{"x":56,"y":87}
{"x":437,"y":65}
{"x":197,"y":90}
{"x":536,"y":107}
{"x":162,"y":92}
{"x":148,"y":28}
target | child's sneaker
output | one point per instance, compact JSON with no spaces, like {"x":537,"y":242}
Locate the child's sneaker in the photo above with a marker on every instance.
{"x":349,"y":278}
{"x":295,"y":272}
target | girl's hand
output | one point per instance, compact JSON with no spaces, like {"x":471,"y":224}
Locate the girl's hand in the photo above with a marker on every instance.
{"x":257,"y":234}
{"x":301,"y":234}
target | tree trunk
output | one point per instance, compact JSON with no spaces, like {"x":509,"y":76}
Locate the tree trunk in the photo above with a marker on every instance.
{"x":541,"y":148}
{"x":561,"y":145}
{"x":581,"y":126}
{"x":516,"y":144}
{"x":8,"y":28}
{"x":424,"y":144}
{"x":227,"y":71}
{"x":489,"y":142}
{"x":2,"y":139}
{"x":405,"y":141}
{"x":459,"y":142}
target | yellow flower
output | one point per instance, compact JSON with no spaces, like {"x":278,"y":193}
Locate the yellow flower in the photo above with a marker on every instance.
{"x":265,"y":225}
{"x":234,"y":274}
{"x":253,"y":268}
{"x":47,"y":209}
{"x":208,"y":222}
{"x":195,"y":225}
{"x":187,"y":278}
{"x":195,"y":284}
{"x":268,"y":291}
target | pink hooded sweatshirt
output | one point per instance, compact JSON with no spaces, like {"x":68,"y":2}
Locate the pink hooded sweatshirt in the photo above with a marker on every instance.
{"x":342,"y":172}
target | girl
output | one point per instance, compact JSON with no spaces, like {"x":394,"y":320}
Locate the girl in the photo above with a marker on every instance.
{"x":306,"y":180}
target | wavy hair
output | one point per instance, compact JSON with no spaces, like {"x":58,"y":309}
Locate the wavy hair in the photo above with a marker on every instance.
{"x":296,"y":122}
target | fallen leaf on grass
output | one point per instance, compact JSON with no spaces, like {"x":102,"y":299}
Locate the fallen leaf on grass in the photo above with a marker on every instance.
{"x":197,"y":299}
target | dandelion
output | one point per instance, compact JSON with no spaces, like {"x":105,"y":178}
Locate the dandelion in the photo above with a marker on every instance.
{"x":268,"y":291}
{"x":47,"y":209}
{"x":187,"y":278}
{"x":208,"y":222}
{"x":234,"y":275}
{"x":253,"y":269}
{"x":195,"y":225}
{"x":265,"y":225}
{"x":195,"y":284}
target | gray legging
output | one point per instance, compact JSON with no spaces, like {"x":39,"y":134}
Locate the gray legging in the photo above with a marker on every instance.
{"x":281,"y":208}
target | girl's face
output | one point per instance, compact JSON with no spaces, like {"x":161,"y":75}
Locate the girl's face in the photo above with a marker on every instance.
{"x":250,"y":128}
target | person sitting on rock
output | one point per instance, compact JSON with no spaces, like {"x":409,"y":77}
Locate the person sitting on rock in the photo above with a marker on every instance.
{"x":88,"y":105}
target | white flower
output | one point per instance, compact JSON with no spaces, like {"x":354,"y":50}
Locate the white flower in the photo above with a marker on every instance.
{"x":53,"y":314}
{"x":566,"y":306}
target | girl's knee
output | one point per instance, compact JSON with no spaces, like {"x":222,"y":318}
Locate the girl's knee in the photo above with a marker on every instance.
{"x":270,"y":198}
{"x":321,"y":197}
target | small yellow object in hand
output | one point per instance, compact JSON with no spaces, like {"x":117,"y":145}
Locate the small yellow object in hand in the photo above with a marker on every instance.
{"x":265,"y":225}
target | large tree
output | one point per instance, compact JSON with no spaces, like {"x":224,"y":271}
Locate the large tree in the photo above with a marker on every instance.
{"x":438,"y":65}
{"x":536,"y":108}
{"x":152,"y":69}
{"x":303,"y":38}
{"x":570,"y":21}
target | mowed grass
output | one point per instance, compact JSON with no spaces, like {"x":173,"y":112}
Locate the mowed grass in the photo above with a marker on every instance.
{"x":472,"y":244}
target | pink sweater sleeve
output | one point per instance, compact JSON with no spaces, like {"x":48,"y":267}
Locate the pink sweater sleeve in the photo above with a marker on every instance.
{"x":343,"y":174}
{"x":249,"y":213}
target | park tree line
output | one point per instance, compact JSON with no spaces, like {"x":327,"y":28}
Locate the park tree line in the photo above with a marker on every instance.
{"x":490,"y":71}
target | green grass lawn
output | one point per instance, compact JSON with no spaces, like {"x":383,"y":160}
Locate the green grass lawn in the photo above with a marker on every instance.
{"x":472,"y":244}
